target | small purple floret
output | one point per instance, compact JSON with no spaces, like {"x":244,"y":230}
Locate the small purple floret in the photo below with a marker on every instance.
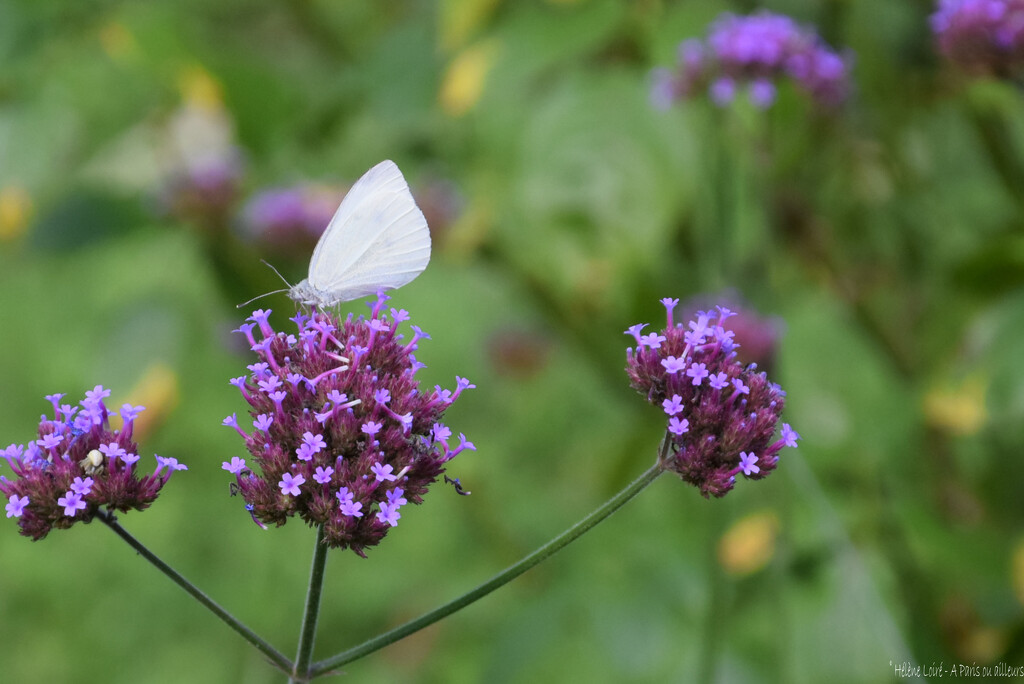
{"x":72,"y":503}
{"x":748,"y":463}
{"x":236,"y":466}
{"x":16,"y":506}
{"x":289,"y":484}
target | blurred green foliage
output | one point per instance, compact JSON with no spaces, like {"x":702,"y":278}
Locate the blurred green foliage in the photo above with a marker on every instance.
{"x":889,"y":238}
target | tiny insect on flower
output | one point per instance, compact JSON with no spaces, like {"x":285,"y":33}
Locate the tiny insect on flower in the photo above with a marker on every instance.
{"x":458,"y":486}
{"x":93,"y":462}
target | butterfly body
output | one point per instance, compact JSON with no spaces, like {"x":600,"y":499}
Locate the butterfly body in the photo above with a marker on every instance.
{"x":377,"y":240}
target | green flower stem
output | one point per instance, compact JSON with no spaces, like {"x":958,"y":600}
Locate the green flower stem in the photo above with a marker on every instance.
{"x":988,"y":110}
{"x":711,"y":636}
{"x":308,"y":635}
{"x":278,"y":659}
{"x":499,"y":580}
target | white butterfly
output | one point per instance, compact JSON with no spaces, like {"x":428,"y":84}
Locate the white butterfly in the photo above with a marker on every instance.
{"x":377,"y":240}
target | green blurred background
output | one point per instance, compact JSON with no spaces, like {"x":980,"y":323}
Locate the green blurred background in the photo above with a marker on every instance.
{"x":888,"y":239}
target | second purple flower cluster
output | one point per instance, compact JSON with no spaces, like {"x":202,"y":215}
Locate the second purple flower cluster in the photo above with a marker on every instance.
{"x":754,"y":53}
{"x":982,"y":36}
{"x":291,"y":218}
{"x":721,"y":414}
{"x":78,"y":465}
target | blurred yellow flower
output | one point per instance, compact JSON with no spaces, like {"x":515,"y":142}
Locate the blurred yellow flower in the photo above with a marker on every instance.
{"x":118,"y":42}
{"x":959,"y":409}
{"x":470,"y":230}
{"x":593,"y":281}
{"x":749,"y":544}
{"x":157,"y":390}
{"x":199,"y":88}
{"x":463,"y":82}
{"x":15,"y":211}
{"x":971,"y":639}
{"x":983,"y":644}
{"x":460,"y":19}
{"x":1017,"y":571}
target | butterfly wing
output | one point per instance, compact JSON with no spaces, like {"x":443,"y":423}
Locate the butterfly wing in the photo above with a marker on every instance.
{"x":377,"y":240}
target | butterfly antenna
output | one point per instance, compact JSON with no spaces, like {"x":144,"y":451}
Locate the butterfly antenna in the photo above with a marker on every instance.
{"x":271,"y":267}
{"x":267,"y":294}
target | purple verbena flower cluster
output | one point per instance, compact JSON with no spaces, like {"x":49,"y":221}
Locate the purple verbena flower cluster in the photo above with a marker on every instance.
{"x":77,"y":465}
{"x":721,"y":415}
{"x":342,"y":435}
{"x":982,"y":36}
{"x":754,"y":52}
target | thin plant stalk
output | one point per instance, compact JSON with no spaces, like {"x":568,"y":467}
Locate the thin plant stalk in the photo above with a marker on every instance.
{"x":307,"y":637}
{"x":498,"y":580}
{"x":278,"y":659}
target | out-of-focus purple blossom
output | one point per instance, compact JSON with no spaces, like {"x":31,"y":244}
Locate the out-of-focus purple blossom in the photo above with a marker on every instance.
{"x":756,"y":336}
{"x":204,"y":191}
{"x":441,"y":203}
{"x":518,"y":352}
{"x":669,"y":86}
{"x":77,"y":466}
{"x":981,"y":36}
{"x":721,"y":414}
{"x":290,"y":219}
{"x":752,"y":55}
{"x":354,"y":433}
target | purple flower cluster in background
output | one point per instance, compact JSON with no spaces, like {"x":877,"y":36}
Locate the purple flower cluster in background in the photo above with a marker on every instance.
{"x":756,"y":336}
{"x":77,"y":465}
{"x":982,"y":36}
{"x":754,"y":53}
{"x":341,"y":433}
{"x":290,"y":219}
{"x":721,"y":414}
{"x":204,"y":192}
